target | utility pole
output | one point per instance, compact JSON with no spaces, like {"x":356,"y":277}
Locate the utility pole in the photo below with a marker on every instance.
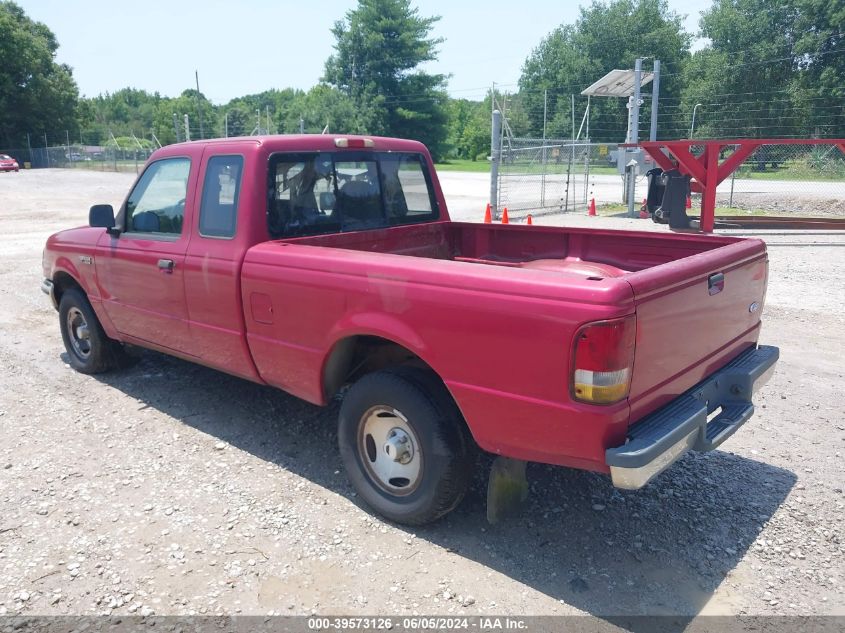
{"x":187,"y":129}
{"x":199,"y":103}
{"x":176,"y":127}
{"x":635,"y":133}
{"x":545,"y":157}
{"x":495,"y":156}
{"x":655,"y":94}
{"x":267,"y":117}
{"x":301,"y":125}
{"x":635,"y":117}
{"x":226,"y":125}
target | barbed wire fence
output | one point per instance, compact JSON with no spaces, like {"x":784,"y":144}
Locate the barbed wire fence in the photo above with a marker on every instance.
{"x":549,"y":175}
{"x":122,"y":153}
{"x":127,"y":154}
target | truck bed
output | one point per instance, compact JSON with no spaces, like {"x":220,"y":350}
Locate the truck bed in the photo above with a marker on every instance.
{"x":582,"y":253}
{"x":494,"y":309}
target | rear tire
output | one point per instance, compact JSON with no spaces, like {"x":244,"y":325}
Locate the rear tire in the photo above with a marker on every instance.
{"x":404,"y":445}
{"x":89,"y":350}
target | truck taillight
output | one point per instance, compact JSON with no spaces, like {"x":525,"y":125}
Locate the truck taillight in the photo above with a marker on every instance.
{"x":603,"y":360}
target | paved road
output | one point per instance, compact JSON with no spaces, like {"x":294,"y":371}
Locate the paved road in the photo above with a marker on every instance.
{"x":468,"y":193}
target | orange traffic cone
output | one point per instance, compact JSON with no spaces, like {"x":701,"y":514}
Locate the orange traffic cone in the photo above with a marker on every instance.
{"x":592,"y":210}
{"x":689,"y":202}
{"x":488,"y":218}
{"x":529,"y":220}
{"x":505,"y":219}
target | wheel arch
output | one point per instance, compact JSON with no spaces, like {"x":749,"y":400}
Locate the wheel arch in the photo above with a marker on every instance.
{"x":355,"y":355}
{"x":62,"y":281}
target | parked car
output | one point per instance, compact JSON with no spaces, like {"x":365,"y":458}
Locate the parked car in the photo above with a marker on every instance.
{"x":7,"y":163}
{"x":610,"y":351}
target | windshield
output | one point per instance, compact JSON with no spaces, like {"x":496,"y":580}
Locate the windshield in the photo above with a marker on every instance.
{"x":330,"y":192}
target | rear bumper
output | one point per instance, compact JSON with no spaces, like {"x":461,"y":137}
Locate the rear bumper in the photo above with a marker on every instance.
{"x":661,"y":438}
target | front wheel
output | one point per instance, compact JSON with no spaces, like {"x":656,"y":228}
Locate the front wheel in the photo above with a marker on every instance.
{"x":89,"y":350}
{"x":404,"y":445}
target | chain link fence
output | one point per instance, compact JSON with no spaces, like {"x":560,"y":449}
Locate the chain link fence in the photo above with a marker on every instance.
{"x":560,"y":175}
{"x":94,"y":157}
{"x":786,"y":179}
{"x":556,"y":174}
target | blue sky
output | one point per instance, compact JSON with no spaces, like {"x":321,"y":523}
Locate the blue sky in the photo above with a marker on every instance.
{"x":249,"y":46}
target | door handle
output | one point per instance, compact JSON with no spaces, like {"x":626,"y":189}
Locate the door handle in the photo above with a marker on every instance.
{"x":166,"y":265}
{"x":715,"y":283}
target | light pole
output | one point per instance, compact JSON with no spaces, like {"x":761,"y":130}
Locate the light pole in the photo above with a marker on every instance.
{"x":692,"y":125}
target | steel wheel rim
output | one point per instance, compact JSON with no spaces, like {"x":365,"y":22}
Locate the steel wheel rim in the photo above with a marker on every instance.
{"x":390,"y":450}
{"x":78,"y":333}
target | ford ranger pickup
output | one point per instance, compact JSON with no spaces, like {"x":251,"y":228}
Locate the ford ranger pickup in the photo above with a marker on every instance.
{"x":327,"y":266}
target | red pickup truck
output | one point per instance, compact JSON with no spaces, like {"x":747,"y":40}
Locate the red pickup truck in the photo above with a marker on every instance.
{"x":326,"y":265}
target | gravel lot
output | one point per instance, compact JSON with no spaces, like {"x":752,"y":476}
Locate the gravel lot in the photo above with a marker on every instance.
{"x":173,"y":489}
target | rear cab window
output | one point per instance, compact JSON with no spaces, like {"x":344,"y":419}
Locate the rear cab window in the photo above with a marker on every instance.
{"x":330,"y":192}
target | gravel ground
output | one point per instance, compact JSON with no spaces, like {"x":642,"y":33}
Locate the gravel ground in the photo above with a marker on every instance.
{"x":173,"y":489}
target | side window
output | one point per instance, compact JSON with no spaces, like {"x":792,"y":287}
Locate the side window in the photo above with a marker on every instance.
{"x":219,"y":207}
{"x":157,"y":203}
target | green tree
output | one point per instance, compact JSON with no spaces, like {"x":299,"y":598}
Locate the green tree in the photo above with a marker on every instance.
{"x":744,"y":77}
{"x":236,"y":121}
{"x":125,"y":112}
{"x":186,"y":103}
{"x":820,"y":54}
{"x":322,"y":107}
{"x":607,"y":35}
{"x":379,"y":46}
{"x":469,"y":128}
{"x":37,"y":95}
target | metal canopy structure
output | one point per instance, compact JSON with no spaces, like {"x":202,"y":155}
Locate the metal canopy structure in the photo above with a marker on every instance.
{"x":706,"y":170}
{"x":616,"y":83}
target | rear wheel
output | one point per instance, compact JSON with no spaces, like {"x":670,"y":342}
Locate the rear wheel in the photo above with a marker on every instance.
{"x":89,"y":350}
{"x":404,"y":445}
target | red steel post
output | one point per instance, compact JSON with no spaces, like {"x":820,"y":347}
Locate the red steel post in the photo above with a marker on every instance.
{"x":711,"y":181}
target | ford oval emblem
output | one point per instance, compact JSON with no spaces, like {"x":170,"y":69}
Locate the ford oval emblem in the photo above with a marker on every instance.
{"x":754,"y":307}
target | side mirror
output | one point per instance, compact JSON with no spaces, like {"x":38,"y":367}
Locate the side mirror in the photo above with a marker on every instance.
{"x":101,"y":215}
{"x":327,"y":201}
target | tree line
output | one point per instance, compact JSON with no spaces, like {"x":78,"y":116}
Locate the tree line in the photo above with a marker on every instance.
{"x":769,"y":68}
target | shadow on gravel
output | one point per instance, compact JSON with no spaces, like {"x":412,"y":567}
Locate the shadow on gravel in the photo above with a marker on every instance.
{"x":662,"y":550}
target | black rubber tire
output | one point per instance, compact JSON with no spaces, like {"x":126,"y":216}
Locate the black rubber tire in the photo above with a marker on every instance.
{"x":106,"y":354}
{"x":449,"y":454}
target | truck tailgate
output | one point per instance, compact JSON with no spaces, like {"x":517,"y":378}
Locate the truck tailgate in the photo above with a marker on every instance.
{"x":694,"y":315}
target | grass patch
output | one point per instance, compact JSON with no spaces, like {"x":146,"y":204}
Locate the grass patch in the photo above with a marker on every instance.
{"x":464,"y":164}
{"x":801,"y":173}
{"x":617,"y":207}
{"x":556,"y":169}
